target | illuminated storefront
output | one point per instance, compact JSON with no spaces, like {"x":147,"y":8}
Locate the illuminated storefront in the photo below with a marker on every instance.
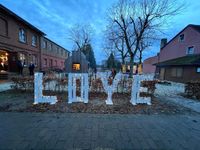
{"x":3,"y":61}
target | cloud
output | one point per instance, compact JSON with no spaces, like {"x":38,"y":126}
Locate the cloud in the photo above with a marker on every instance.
{"x":56,"y":17}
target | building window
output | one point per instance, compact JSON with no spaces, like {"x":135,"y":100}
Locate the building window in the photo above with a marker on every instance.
{"x":45,"y":62}
{"x":44,"y":44}
{"x":173,"y":72}
{"x":34,"y":60}
{"x":56,"y":63}
{"x":22,"y":35}
{"x":198,"y":69}
{"x":57,"y":50}
{"x":66,"y":54}
{"x":4,"y":27}
{"x":50,"y":47}
{"x":23,"y":59}
{"x":61,"y":52}
{"x":190,"y":50}
{"x":181,"y":38}
{"x":51,"y":63}
{"x":34,"y":40}
{"x":76,"y":66}
{"x":22,"y":56}
{"x":177,"y":72}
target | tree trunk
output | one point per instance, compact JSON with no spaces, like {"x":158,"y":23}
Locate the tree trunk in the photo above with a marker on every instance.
{"x":140,"y":58}
{"x":131,"y":66}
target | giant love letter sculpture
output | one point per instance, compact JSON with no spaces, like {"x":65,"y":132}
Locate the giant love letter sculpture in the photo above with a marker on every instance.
{"x":109,"y":89}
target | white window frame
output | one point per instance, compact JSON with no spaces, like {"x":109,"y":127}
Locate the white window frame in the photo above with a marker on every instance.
{"x":34,"y":40}
{"x":198,"y":69}
{"x":50,"y":47}
{"x":44,"y":46}
{"x":22,"y":35}
{"x":23,"y":58}
{"x":34,"y":59}
{"x":187,"y":52}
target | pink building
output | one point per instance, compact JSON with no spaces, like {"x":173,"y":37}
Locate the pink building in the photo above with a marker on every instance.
{"x":53,"y":55}
{"x":147,"y":65}
{"x":178,"y":59}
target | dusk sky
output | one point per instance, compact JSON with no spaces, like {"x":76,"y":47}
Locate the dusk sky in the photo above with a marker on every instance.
{"x":55,"y":17}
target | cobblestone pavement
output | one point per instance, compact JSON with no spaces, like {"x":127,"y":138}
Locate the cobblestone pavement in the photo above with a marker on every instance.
{"x":95,"y":131}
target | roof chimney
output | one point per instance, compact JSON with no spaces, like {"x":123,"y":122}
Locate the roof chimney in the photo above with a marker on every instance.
{"x":163,"y":42}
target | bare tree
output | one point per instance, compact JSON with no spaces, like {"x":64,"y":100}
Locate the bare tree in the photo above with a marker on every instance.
{"x":141,"y":19}
{"x":144,"y":45}
{"x":115,"y":44}
{"x":80,"y":35}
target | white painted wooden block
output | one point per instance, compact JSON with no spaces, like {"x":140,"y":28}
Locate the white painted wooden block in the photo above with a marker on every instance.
{"x":109,"y":88}
{"x":136,"y":89}
{"x":38,"y":94}
{"x":72,"y":87}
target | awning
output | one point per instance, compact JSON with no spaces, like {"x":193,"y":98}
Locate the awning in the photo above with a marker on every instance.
{"x":189,"y":60}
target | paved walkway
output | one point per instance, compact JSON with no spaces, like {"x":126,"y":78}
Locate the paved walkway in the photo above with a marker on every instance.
{"x":5,"y":85}
{"x":95,"y":131}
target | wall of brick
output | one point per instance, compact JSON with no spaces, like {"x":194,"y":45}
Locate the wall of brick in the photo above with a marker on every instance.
{"x":148,"y":66}
{"x":9,"y":42}
{"x":176,"y":49}
{"x":52,"y":52}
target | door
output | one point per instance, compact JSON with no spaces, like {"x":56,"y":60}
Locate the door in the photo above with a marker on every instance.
{"x":12,"y":62}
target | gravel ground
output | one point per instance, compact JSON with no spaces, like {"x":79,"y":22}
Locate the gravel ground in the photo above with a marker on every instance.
{"x":19,"y":101}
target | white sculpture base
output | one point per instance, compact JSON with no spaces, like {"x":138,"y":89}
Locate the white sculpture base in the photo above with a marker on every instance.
{"x":78,"y":99}
{"x":109,"y":102}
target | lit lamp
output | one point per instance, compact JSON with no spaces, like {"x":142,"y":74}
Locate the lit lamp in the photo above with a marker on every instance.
{"x":140,"y":68}
{"x":124,"y":68}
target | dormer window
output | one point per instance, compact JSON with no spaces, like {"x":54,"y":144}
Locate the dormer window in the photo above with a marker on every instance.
{"x":190,"y":50}
{"x":181,"y":38}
